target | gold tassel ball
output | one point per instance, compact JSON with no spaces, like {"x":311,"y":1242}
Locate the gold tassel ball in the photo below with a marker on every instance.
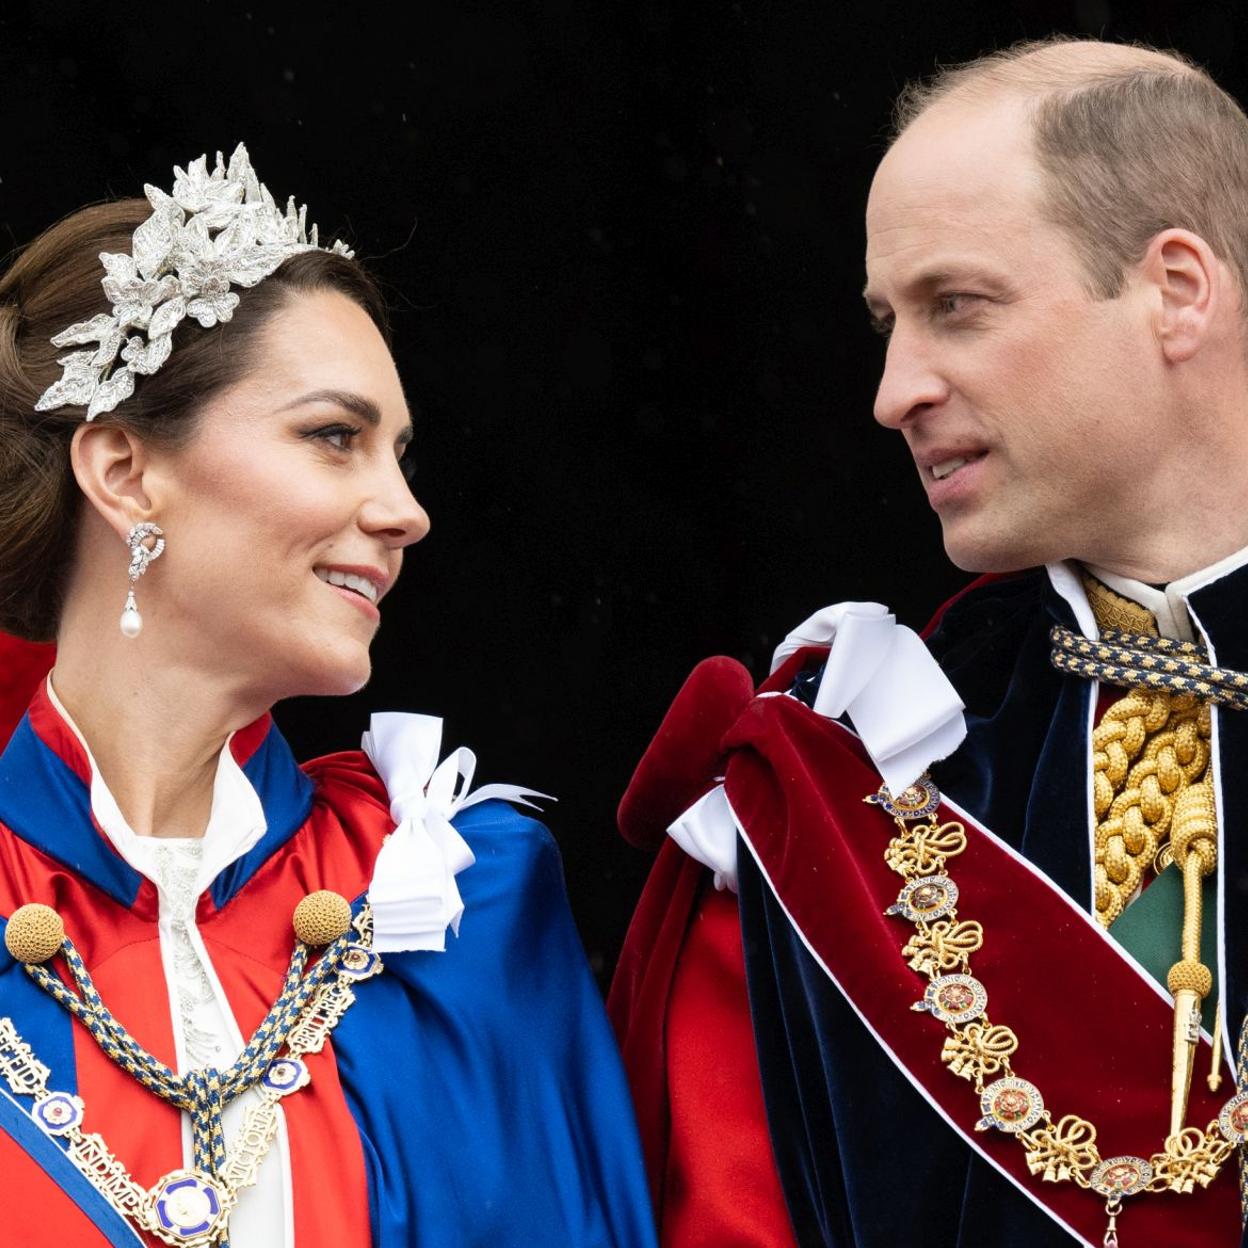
{"x":35,"y":933}
{"x":321,"y":917}
{"x":1191,"y":975}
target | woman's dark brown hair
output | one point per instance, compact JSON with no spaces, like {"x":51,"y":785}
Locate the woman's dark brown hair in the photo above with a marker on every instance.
{"x":53,"y":283}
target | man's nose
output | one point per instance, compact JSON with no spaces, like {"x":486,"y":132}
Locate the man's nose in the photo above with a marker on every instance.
{"x":911,"y":382}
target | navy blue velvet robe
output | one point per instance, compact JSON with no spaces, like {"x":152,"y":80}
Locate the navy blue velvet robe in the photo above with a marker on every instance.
{"x":850,"y":1179}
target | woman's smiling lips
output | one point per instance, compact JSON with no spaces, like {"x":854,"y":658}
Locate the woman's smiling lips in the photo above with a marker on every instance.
{"x":363,"y":585}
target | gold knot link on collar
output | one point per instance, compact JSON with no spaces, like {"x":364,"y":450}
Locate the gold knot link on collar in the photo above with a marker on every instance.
{"x":1191,"y":1157}
{"x":979,"y":1049}
{"x":1062,"y":1150}
{"x":923,"y":848}
{"x":943,"y":945}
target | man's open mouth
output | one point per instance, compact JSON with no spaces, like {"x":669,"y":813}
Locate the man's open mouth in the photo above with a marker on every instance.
{"x":947,"y":467}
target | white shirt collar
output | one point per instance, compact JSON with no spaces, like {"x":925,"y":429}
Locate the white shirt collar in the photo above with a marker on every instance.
{"x":235,"y":823}
{"x":1168,"y":604}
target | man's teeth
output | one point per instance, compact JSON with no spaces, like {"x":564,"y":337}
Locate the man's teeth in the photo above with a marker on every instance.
{"x":945,"y":467}
{"x":348,"y":580}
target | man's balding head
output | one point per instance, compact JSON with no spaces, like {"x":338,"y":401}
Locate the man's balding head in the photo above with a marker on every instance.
{"x":1035,"y":69}
{"x":1129,"y":140}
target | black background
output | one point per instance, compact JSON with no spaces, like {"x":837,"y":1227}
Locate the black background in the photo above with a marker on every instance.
{"x":623,"y":244}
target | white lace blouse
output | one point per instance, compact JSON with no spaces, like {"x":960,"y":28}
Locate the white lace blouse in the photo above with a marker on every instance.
{"x":205,"y":1030}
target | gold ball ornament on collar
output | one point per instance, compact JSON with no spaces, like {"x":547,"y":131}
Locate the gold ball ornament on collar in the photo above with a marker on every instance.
{"x":34,"y":934}
{"x":321,"y":917}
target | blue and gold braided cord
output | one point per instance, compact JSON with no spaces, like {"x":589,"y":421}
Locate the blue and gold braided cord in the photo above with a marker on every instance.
{"x":1135,"y":661}
{"x":1241,"y":1085}
{"x":203,"y":1094}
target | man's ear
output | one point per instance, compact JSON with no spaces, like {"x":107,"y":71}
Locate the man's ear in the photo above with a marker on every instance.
{"x":1191,"y":284}
{"x":109,"y":464}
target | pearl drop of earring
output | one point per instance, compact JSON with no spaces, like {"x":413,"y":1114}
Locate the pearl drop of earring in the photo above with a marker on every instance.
{"x":131,"y":620}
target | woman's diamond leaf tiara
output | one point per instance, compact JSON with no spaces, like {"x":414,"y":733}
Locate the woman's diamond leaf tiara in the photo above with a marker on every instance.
{"x":216,"y":230}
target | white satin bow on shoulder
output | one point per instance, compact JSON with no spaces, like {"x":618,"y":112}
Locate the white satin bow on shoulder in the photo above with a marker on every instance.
{"x":885,"y":679}
{"x":413,"y":894}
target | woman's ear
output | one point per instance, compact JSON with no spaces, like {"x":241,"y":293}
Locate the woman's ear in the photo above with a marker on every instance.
{"x":109,"y":464}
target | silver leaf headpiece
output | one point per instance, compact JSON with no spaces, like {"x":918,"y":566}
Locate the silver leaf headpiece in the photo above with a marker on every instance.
{"x":216,"y":230}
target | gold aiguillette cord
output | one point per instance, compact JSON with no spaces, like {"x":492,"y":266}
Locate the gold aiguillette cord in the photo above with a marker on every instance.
{"x":1193,"y":836}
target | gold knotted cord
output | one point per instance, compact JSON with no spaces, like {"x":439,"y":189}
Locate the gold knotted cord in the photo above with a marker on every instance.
{"x":1150,"y":746}
{"x":1148,"y":749}
{"x":1153,"y":787}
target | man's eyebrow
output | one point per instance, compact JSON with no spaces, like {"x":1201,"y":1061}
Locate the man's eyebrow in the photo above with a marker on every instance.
{"x":357,"y":404}
{"x":920,"y":283}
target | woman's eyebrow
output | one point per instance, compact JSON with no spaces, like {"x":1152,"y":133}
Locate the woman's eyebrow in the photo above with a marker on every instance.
{"x":364,"y":408}
{"x":357,"y":404}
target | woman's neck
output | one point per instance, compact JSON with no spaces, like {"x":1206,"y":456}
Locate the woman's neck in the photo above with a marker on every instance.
{"x":155,"y":730}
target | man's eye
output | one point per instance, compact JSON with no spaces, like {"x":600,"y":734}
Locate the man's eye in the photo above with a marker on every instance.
{"x":882,"y":325}
{"x":954,"y":302}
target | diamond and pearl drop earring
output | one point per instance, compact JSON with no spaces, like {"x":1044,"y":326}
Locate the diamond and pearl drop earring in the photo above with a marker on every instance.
{"x":141,"y":554}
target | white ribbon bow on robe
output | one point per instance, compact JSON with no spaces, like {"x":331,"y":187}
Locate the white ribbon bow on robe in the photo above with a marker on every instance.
{"x":881,"y":674}
{"x":885,"y":679}
{"x":413,"y":894}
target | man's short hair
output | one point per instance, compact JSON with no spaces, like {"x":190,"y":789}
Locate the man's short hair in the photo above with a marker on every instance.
{"x":1131,"y":141}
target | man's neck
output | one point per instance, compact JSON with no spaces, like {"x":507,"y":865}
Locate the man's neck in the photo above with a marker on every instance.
{"x":1167,"y":559}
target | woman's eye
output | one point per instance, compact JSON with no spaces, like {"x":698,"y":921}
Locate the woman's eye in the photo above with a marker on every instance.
{"x":338,"y":436}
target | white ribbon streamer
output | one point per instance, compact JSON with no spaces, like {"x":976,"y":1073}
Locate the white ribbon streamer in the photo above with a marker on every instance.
{"x":413,"y":894}
{"x":707,"y":831}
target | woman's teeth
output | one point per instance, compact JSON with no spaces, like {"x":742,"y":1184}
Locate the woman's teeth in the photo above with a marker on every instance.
{"x":348,"y":580}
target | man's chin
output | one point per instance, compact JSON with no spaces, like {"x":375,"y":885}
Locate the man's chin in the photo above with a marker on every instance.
{"x":980,"y":552}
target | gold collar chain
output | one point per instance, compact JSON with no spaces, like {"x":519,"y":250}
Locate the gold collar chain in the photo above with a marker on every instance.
{"x":979,"y":1050}
{"x":189,"y":1208}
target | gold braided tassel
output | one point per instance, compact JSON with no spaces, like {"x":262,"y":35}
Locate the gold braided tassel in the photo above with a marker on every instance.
{"x":1147,"y":750}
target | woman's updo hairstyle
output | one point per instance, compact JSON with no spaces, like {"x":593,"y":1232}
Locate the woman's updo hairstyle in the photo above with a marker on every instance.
{"x":53,"y":283}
